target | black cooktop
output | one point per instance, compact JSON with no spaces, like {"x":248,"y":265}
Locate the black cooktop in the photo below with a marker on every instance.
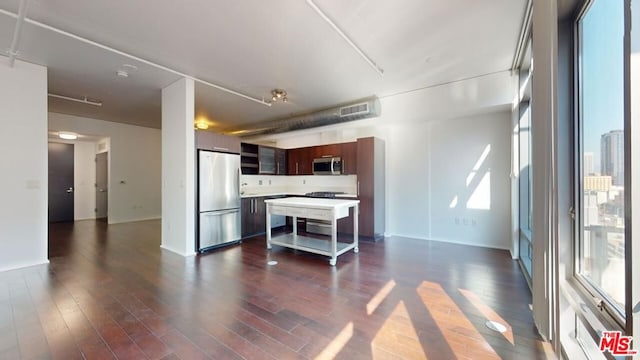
{"x":324,"y":194}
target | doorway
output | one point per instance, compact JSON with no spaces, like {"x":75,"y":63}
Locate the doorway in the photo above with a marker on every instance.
{"x":61,"y":182}
{"x":102,"y":185}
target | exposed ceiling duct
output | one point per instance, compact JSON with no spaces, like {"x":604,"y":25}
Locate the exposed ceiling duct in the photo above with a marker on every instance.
{"x":363,"y":109}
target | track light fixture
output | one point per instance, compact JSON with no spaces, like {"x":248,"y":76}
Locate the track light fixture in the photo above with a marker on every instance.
{"x":279,"y":94}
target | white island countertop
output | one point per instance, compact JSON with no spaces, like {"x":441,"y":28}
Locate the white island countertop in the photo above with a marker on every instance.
{"x":321,"y":203}
{"x":288,"y":193}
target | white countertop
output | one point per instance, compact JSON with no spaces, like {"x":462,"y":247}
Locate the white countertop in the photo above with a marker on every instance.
{"x":305,"y":202}
{"x":280,"y":193}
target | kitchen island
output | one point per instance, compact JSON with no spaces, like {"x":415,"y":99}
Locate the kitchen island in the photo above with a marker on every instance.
{"x":313,"y":208}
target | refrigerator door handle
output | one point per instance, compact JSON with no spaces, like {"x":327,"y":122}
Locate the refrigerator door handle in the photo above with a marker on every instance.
{"x":218,"y":212}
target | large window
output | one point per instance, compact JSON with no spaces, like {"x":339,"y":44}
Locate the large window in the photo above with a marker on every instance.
{"x":600,"y":260}
{"x":524,"y":160}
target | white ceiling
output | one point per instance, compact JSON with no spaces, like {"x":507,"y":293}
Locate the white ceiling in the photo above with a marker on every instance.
{"x":253,"y":46}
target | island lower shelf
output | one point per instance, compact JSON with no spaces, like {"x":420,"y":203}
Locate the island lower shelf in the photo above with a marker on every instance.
{"x":309,"y":244}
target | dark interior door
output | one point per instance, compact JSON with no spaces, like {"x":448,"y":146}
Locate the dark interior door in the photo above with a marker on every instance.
{"x":102,"y":185}
{"x":60,"y":182}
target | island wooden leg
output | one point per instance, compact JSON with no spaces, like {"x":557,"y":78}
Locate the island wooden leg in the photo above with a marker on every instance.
{"x":295,"y":229}
{"x":334,"y":242}
{"x":268,"y":229}
{"x":356,"y":219}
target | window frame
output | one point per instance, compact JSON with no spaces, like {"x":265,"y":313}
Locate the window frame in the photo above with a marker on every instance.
{"x":597,"y":303}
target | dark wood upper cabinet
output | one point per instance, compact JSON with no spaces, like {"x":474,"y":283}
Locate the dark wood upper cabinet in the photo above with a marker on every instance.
{"x":299,"y":161}
{"x":267,"y":160}
{"x":293,"y":156}
{"x":207,"y":140}
{"x":332,"y":150}
{"x":281,"y":161}
{"x":249,"y":159}
{"x":257,"y":159}
{"x":349,"y":158}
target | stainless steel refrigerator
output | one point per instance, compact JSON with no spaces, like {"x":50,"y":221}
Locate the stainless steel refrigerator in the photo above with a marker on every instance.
{"x":218,"y":199}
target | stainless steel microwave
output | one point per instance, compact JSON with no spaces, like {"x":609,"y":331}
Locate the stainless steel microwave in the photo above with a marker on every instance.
{"x":327,"y":166}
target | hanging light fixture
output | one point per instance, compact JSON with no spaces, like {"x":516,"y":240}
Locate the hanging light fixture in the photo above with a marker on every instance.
{"x":279,"y":94}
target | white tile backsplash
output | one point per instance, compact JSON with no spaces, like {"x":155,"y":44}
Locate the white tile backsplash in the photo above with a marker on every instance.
{"x":269,"y":184}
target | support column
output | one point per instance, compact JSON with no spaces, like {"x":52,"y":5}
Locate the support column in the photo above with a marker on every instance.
{"x":178,"y":168}
{"x":23,"y":164}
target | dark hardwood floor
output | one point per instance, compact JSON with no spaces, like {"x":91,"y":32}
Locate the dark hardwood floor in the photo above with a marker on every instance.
{"x":111,"y":292}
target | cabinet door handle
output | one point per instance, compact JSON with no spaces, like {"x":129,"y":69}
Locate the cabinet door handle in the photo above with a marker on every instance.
{"x":296,"y":168}
{"x":358,"y":188}
{"x":220,"y":148}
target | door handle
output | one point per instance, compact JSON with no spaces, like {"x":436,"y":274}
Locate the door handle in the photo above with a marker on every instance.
{"x":69,"y":190}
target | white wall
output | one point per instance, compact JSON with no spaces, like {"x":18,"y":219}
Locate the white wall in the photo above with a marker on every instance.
{"x":469,"y":177}
{"x":23,"y":165}
{"x":134,"y":165}
{"x":433,"y":139}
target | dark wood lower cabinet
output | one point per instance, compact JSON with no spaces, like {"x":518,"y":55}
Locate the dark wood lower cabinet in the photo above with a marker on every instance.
{"x":253,"y":216}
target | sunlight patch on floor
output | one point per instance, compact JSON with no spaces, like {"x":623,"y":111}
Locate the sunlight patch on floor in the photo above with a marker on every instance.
{"x":397,"y":336}
{"x":380,"y":296}
{"x":488,"y":313}
{"x":336,"y":345}
{"x":461,"y":335}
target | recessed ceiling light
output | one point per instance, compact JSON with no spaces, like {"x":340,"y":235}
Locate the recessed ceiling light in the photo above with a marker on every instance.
{"x":202,"y":124}
{"x":67,"y":135}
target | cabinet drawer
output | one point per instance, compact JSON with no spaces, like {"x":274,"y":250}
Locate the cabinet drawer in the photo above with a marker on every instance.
{"x":320,"y":214}
{"x":278,"y":210}
{"x":288,"y":211}
{"x":298,"y":212}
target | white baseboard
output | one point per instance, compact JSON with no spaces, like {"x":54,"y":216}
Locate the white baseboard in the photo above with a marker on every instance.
{"x":157,"y":217}
{"x":177,"y":251}
{"x":23,"y":266}
{"x":419,"y":237}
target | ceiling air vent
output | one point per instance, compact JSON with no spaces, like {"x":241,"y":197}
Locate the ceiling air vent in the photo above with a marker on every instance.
{"x":363,"y":109}
{"x":357,"y":109}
